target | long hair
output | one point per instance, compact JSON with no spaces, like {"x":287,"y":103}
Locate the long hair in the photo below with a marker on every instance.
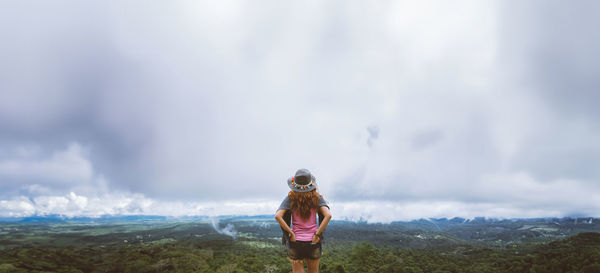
{"x":304,"y":202}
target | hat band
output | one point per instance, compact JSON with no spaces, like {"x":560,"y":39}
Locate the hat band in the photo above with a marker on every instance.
{"x":301,"y":187}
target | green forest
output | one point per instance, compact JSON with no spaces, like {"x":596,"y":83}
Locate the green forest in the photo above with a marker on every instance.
{"x":196,"y":246}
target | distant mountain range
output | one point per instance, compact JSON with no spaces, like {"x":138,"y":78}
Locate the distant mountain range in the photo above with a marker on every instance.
{"x":479,"y":229}
{"x":423,"y":223}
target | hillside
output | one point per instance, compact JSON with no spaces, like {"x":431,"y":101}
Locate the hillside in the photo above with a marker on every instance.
{"x":154,"y":244}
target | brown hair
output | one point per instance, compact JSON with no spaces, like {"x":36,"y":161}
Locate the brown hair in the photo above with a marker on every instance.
{"x":304,"y":202}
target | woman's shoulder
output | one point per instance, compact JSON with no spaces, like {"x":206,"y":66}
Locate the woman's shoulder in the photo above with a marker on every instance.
{"x":285,"y":204}
{"x":323,"y":202}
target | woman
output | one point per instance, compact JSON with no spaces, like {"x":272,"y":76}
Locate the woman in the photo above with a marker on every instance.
{"x":304,"y":202}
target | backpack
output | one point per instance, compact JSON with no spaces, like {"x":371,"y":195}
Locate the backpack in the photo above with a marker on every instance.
{"x":287,"y":217}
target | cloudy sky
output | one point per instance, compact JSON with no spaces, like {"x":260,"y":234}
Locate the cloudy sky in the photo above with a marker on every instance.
{"x":401,"y":109}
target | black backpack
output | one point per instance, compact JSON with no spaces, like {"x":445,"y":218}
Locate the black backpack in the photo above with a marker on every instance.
{"x":287,"y":217}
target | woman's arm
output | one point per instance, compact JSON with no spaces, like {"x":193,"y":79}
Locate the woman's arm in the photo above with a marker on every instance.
{"x":326,"y":217}
{"x":279,"y":217}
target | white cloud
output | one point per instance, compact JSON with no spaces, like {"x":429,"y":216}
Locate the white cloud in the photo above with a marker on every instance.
{"x":73,"y":204}
{"x":17,"y":207}
{"x":549,"y":203}
{"x":432,"y":103}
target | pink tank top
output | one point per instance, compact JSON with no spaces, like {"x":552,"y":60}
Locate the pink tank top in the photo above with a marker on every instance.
{"x":304,"y":229}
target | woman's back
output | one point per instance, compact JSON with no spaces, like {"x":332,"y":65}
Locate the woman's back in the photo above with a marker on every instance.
{"x":304,"y":228}
{"x":308,"y":226}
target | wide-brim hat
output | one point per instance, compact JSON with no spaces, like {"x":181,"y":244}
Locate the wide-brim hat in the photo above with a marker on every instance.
{"x":302,"y":181}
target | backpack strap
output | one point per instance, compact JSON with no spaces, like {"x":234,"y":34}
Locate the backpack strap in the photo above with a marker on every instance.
{"x":321,"y":217}
{"x":287,"y":218}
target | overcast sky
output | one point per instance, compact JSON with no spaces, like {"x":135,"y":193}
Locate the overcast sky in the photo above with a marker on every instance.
{"x":401,"y":109}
